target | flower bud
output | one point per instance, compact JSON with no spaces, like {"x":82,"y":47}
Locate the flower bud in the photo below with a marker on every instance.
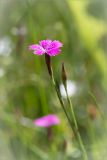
{"x":64,"y":75}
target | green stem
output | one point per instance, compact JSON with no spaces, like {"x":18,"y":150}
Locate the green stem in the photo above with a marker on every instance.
{"x":76,"y":127}
{"x":61,"y":101}
{"x":50,"y":71}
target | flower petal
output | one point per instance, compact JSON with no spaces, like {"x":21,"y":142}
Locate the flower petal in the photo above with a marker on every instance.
{"x":55,"y":44}
{"x":45,"y":43}
{"x":53,"y":52}
{"x":37,"y":49}
{"x":32,"y":47}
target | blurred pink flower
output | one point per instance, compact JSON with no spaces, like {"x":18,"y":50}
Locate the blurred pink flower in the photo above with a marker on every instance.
{"x":47,"y":121}
{"x":52,"y":48}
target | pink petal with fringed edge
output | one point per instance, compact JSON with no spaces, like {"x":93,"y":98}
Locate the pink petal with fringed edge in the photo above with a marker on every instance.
{"x":37,"y":49}
{"x":55,"y":44}
{"x":45,"y":43}
{"x":54,"y":51}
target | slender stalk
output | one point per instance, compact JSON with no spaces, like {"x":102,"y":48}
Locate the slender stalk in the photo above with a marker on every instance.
{"x":50,"y":71}
{"x":76,"y":127}
{"x":61,"y":101}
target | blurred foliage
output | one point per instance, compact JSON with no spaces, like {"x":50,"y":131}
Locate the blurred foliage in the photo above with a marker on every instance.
{"x":26,"y":91}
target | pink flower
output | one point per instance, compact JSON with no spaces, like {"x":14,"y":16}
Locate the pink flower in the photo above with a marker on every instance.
{"x":52,"y":48}
{"x":47,"y":121}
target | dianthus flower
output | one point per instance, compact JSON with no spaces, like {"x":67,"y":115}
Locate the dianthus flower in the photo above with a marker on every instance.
{"x":52,"y":48}
{"x":47,"y":121}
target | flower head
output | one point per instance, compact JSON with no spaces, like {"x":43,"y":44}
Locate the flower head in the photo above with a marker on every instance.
{"x":52,"y":48}
{"x":47,"y":121}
